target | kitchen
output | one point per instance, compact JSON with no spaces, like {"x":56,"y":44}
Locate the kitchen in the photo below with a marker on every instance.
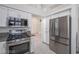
{"x":56,"y":28}
{"x":15,"y":31}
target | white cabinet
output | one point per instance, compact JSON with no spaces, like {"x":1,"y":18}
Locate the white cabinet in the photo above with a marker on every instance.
{"x":29,"y":17}
{"x":3,"y":16}
{"x":17,"y":13}
{"x":6,"y":12}
{"x":24,"y":15}
{"x":3,"y":49}
{"x":13,"y":13}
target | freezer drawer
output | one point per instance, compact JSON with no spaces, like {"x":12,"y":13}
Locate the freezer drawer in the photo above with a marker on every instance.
{"x":59,"y":48}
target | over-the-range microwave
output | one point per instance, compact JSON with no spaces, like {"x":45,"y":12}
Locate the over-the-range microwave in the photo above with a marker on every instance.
{"x":14,"y":21}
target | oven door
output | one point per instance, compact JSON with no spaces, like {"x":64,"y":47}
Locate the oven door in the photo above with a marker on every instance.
{"x":20,"y":48}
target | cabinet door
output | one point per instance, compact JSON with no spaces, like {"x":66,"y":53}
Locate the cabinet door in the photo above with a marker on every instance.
{"x":24,"y":15}
{"x":29,"y":17}
{"x":3,"y":49}
{"x":3,"y":16}
{"x":13,"y":13}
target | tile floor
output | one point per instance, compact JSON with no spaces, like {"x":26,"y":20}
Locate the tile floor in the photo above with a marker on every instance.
{"x":40,"y":47}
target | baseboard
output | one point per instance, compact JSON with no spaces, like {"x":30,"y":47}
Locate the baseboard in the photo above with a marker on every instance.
{"x":45,"y":43}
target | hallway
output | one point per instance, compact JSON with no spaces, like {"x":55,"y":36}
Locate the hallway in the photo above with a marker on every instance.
{"x":40,"y":47}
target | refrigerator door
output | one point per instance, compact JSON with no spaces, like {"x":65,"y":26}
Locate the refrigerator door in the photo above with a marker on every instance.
{"x":57,"y":27}
{"x":61,"y":40}
{"x":52,"y":29}
{"x":63,"y":27}
{"x":64,"y":30}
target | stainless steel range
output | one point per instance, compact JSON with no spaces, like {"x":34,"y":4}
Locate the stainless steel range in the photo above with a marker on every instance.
{"x":18,"y":41}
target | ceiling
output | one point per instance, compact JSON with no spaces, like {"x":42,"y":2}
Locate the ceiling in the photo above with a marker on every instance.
{"x":37,"y":9}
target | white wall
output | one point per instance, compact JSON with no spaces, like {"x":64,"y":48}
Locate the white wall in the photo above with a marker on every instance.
{"x":74,"y":24}
{"x":36,"y":25}
{"x":43,"y":33}
{"x":45,"y":30}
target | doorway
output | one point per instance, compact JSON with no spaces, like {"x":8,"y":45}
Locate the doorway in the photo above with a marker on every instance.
{"x":38,"y":47}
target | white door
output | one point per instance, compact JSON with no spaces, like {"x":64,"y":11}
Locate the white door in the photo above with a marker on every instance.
{"x":3,"y":16}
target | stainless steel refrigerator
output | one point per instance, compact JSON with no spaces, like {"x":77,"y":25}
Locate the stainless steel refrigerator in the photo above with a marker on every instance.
{"x":60,"y":35}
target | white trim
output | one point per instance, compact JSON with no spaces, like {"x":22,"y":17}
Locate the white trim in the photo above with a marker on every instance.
{"x":64,"y":13}
{"x":74,"y":28}
{"x":64,"y":8}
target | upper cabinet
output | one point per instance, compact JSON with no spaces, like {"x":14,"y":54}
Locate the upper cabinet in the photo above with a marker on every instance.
{"x":23,"y":15}
{"x":6,"y":13}
{"x":13,"y":13}
{"x":17,"y":13}
{"x":3,"y":16}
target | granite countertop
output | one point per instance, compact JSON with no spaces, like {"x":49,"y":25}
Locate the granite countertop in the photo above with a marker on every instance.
{"x":3,"y":36}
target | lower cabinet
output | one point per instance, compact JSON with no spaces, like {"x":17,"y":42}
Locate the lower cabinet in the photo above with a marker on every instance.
{"x":3,"y":48}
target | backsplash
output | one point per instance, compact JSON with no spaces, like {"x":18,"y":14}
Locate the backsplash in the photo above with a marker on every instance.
{"x":6,"y":29}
